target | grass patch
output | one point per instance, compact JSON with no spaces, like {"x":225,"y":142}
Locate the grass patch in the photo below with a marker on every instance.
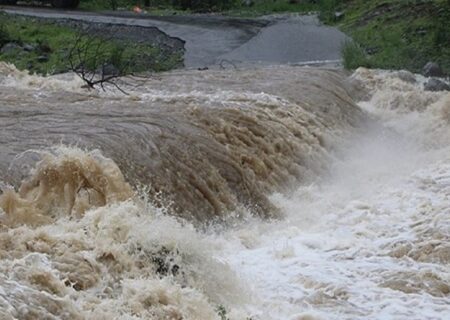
{"x":397,"y":34}
{"x":160,"y":7}
{"x":228,"y":7}
{"x":4,"y":35}
{"x":44,"y":48}
{"x":388,"y":34}
{"x":96,"y":5}
{"x":265,"y":7}
{"x":354,"y":56}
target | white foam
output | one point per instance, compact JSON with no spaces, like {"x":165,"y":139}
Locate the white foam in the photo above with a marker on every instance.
{"x":336,"y":255}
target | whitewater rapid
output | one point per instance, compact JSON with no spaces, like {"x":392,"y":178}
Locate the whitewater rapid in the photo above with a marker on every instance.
{"x":371,"y":240}
{"x":355,"y":169}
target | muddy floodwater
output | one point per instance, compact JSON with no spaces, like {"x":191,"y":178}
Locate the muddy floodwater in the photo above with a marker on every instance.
{"x":256,"y":193}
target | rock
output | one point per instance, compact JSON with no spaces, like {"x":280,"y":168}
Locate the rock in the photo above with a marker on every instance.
{"x":436,"y":85}
{"x":406,"y":76}
{"x":338,"y":15}
{"x":44,"y":47}
{"x":28,"y":47}
{"x":432,"y":69}
{"x":42,"y":58}
{"x":248,"y":3}
{"x":421,"y":31}
{"x":10,"y":47}
{"x":372,"y":50}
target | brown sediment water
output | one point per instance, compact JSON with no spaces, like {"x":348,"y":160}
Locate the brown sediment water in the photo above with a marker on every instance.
{"x":205,"y":142}
{"x":103,"y":193}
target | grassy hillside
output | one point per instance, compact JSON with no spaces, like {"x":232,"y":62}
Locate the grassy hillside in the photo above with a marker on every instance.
{"x":44,"y":48}
{"x":390,"y":34}
{"x":248,"y":8}
{"x":395,"y":34}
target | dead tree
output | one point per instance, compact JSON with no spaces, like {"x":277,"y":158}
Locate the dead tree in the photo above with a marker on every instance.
{"x":97,"y":60}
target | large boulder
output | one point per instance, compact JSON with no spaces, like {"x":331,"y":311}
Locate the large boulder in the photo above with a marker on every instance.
{"x":10,"y":47}
{"x":338,"y":15}
{"x":436,"y":85}
{"x":28,"y":47}
{"x":42,"y":58}
{"x":432,"y":69}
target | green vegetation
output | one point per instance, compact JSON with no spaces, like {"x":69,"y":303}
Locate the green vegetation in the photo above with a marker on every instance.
{"x":265,"y":7}
{"x":223,"y":315}
{"x":222,"y":312}
{"x":354,"y":56}
{"x":393,"y":34}
{"x":204,"y":5}
{"x":160,"y":6}
{"x":44,"y":48}
{"x":231,"y":7}
{"x":389,"y":34}
{"x":4,"y":35}
{"x":396,"y":34}
{"x":106,"y":4}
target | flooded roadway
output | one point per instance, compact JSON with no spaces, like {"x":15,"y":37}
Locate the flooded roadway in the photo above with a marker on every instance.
{"x":218,"y":40}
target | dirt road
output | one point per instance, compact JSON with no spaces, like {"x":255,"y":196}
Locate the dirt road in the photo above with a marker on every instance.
{"x":213,"y":40}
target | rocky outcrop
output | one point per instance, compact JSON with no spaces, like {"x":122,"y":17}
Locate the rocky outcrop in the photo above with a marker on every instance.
{"x":436,"y":85}
{"x":10,"y":47}
{"x":432,"y":69}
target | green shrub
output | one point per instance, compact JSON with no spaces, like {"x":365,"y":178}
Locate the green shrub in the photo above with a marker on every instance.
{"x":204,"y":5}
{"x":327,"y":9}
{"x":55,"y":43}
{"x":5,"y":37}
{"x":354,"y":56}
{"x":222,"y":312}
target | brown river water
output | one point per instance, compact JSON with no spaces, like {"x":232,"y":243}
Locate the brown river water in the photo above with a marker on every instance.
{"x":260,"y":193}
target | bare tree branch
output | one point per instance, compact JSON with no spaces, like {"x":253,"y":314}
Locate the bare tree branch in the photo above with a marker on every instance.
{"x":98,"y":60}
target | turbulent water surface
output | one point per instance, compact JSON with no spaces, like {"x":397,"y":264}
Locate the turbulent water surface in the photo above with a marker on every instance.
{"x":263,"y":193}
